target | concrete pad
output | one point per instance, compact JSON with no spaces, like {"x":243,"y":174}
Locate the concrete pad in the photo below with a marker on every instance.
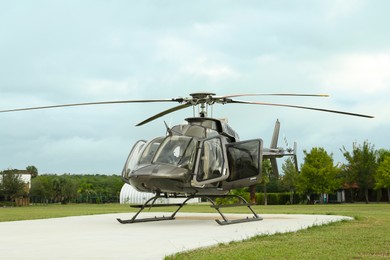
{"x":102,"y":237}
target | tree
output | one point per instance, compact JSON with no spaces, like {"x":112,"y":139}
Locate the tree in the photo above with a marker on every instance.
{"x":382,"y":175}
{"x":41,"y":189}
{"x":69,"y":189}
{"x":265,"y":178}
{"x":32,"y":170}
{"x":12,"y":185}
{"x":290,"y":177}
{"x":65,"y":189}
{"x":362,"y":164}
{"x":86,"y":190}
{"x":318,"y":175}
{"x":48,"y":188}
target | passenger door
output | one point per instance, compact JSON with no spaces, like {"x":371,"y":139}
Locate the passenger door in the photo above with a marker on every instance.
{"x":210,"y":166}
{"x":244,"y":160}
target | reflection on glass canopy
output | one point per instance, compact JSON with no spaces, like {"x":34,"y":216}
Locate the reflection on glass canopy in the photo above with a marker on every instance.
{"x":149,"y":151}
{"x":177,"y":150}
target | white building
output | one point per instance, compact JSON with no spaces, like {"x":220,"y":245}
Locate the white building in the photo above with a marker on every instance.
{"x":129,"y":195}
{"x":24,"y":175}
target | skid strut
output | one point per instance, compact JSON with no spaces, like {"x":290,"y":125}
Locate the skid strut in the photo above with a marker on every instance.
{"x":151,"y":203}
{"x":242,"y":202}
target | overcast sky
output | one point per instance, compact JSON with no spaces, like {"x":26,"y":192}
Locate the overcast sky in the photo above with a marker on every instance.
{"x":57,"y":52}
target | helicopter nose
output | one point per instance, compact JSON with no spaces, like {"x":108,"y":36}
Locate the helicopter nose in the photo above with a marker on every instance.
{"x":160,"y":178}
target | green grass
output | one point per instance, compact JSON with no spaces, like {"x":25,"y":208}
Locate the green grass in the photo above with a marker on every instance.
{"x":56,"y":211}
{"x":366,"y":237}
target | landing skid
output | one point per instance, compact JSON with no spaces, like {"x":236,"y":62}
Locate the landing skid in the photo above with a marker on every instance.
{"x":151,"y":203}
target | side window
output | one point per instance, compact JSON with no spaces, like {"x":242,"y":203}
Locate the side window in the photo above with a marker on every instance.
{"x":211,"y":160}
{"x":244,"y":159}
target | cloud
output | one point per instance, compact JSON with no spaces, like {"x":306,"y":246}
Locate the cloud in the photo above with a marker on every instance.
{"x":358,"y":74}
{"x":94,"y":88}
{"x":341,"y":8}
{"x":71,"y":51}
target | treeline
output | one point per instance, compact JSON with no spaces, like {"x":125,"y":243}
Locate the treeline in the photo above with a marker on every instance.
{"x":67,"y":188}
{"x":364,"y":177}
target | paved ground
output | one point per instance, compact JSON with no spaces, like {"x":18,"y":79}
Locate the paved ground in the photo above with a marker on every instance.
{"x":102,"y":237}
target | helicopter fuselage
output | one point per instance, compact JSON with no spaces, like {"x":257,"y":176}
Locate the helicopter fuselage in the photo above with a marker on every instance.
{"x":203,"y":156}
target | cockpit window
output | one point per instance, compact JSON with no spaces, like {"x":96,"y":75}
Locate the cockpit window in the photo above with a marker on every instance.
{"x":132,"y":160}
{"x":177,"y":150}
{"x":149,"y":151}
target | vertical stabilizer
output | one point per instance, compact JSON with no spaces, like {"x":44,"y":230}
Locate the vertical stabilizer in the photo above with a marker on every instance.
{"x":275,"y":152}
{"x":275,"y":136}
{"x":274,"y":145}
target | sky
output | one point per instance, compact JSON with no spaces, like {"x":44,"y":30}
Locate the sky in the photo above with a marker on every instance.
{"x":59,"y":52}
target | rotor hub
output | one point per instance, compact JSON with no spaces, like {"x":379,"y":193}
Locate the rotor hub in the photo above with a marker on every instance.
{"x":202,"y":95}
{"x":203,"y":99}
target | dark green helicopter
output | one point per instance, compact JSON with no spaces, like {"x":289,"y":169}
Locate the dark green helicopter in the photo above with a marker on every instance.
{"x":203,"y":158}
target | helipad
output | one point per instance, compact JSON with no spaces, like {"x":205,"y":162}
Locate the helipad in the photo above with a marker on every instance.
{"x":102,"y":237}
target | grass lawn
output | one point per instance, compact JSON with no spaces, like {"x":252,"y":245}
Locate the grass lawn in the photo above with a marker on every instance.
{"x":57,"y":210}
{"x":366,"y":237}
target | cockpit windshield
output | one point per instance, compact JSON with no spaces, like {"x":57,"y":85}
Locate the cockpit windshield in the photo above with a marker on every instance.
{"x":177,"y":150}
{"x":149,"y":151}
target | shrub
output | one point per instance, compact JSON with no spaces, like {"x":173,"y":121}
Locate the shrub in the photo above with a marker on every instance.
{"x":275,"y":198}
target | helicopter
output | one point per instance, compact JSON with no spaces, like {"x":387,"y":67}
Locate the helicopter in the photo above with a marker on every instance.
{"x":202,"y":158}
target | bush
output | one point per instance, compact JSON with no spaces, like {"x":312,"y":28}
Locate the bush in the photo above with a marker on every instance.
{"x":243,"y":192}
{"x":282,"y":198}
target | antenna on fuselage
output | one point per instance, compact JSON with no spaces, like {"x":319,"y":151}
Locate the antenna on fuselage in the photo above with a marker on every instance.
{"x":169,"y":130}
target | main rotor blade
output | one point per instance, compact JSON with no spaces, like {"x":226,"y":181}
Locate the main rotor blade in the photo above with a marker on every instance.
{"x":301,"y":107}
{"x":275,"y":94}
{"x":92,"y":103}
{"x":165,"y":112}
